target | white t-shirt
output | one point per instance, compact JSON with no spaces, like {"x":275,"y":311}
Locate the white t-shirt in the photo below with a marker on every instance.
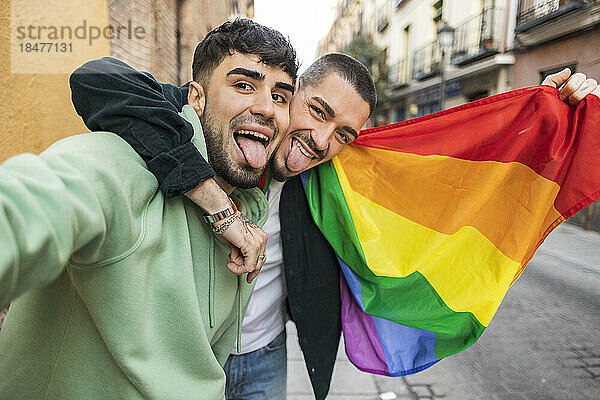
{"x":265,"y":316}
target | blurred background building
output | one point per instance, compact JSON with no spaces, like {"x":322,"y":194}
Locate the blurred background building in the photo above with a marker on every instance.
{"x":494,"y":46}
{"x":497,"y":45}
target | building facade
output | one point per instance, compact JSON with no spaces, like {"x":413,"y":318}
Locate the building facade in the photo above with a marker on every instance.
{"x":498,"y":45}
{"x":554,"y":34}
{"x":477,"y":65}
{"x":549,"y":36}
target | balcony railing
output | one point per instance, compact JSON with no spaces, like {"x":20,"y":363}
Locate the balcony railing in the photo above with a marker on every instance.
{"x":534,"y":10}
{"x":399,"y":74}
{"x":426,"y":61}
{"x":479,"y":36}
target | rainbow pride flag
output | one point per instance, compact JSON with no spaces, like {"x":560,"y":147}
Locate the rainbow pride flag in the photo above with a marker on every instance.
{"x":433,"y":219}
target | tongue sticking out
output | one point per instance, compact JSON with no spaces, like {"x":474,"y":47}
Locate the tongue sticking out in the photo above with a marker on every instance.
{"x":254,"y":151}
{"x":296,"y":161}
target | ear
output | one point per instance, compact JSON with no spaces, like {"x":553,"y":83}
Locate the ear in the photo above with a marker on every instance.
{"x":197,"y":97}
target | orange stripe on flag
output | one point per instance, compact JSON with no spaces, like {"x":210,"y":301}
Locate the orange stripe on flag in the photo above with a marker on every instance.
{"x":508,"y":203}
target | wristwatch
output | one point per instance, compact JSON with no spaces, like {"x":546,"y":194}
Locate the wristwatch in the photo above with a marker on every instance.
{"x":221,"y":215}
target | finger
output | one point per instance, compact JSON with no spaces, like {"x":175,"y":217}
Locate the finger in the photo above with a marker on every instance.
{"x":250,"y":277}
{"x":571,"y":86}
{"x":250,"y":252}
{"x":586,"y":88}
{"x":237,"y":269}
{"x":236,"y":256}
{"x":596,"y":92}
{"x":555,"y":80}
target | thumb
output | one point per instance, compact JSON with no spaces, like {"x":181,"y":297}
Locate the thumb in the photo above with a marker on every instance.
{"x":556,"y":80}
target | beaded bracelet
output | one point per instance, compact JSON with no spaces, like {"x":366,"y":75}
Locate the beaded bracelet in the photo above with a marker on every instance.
{"x":225,"y":224}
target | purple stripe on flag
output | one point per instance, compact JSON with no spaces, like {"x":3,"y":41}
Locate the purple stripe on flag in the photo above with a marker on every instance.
{"x":363,"y":345}
{"x":378,"y":345}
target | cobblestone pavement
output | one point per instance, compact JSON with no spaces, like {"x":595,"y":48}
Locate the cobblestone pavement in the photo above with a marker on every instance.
{"x":544,"y":342}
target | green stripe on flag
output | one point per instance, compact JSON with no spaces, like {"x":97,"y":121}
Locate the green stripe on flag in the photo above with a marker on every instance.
{"x":410,"y":300}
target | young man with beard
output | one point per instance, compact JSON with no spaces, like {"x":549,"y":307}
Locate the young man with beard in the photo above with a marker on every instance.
{"x":334,"y":100}
{"x":118,"y":292}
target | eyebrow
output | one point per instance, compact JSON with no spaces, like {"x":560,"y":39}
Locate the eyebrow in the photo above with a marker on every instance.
{"x":326,"y":106}
{"x":329,"y":110}
{"x":259,"y":77}
{"x":247,"y":72}
{"x":285,"y":86}
{"x":350,"y":131}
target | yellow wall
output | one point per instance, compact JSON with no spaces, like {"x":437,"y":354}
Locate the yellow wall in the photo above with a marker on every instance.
{"x":36,"y":108}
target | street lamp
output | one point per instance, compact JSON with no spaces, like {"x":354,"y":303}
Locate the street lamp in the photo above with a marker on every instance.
{"x":445,"y":38}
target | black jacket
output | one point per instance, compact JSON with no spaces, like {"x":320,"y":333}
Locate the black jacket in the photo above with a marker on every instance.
{"x":110,"y":95}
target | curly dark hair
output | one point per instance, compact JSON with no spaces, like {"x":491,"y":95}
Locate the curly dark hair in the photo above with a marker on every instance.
{"x":247,"y":37}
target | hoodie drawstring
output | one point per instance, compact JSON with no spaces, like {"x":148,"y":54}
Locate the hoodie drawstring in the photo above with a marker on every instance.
{"x":238,"y":338}
{"x":211,"y":289}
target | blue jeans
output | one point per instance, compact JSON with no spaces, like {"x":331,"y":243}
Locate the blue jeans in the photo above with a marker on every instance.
{"x":259,"y":375}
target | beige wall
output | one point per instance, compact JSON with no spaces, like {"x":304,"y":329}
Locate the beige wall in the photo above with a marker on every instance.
{"x":582,"y":49}
{"x":36,"y":107}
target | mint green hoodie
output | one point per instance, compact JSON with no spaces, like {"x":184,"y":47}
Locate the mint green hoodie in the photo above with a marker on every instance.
{"x":118,"y":293}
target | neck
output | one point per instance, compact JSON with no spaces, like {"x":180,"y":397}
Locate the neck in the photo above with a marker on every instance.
{"x":227,"y":188}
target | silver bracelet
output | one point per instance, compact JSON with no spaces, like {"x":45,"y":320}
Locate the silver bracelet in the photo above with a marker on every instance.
{"x":221,"y":215}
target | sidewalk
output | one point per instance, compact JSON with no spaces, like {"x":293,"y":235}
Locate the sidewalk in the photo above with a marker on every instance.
{"x":348,"y":382}
{"x":573,"y":245}
{"x":567,"y":245}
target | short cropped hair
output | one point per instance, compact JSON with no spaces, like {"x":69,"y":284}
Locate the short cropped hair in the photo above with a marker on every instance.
{"x":247,"y":37}
{"x":349,"y":68}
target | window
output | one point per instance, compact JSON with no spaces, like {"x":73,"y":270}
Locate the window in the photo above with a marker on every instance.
{"x":438,"y":11}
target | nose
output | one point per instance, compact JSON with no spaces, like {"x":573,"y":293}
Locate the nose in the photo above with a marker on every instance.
{"x":263,"y":105}
{"x":322,"y":137}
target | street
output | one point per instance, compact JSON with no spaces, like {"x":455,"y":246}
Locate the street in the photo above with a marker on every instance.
{"x":543,"y":343}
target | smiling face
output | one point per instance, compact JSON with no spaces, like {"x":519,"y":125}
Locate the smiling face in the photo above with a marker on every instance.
{"x":323,"y":119}
{"x":247,"y":106}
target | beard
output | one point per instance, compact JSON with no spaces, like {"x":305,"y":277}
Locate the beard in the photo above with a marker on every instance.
{"x":279,"y":172}
{"x":217,"y":143}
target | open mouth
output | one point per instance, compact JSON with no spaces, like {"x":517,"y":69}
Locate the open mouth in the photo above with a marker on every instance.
{"x":253,"y":146}
{"x":304,"y":151}
{"x":252,"y":135}
{"x":299,"y":156}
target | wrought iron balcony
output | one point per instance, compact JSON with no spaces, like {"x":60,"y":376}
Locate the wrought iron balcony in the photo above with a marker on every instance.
{"x":532,"y":12}
{"x":399,"y":74}
{"x":478,"y":36}
{"x":426,"y":61}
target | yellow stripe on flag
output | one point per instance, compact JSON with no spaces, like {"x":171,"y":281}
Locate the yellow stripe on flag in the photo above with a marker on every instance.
{"x":453,"y":264}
